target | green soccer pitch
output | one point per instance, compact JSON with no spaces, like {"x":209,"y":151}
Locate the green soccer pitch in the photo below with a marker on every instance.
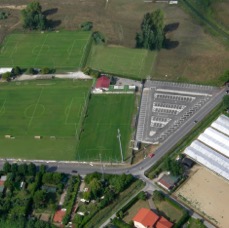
{"x":105,"y":115}
{"x":63,"y":50}
{"x":128,"y":62}
{"x":53,"y":109}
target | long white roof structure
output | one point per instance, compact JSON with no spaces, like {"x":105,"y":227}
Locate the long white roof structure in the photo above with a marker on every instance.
{"x":216,"y":140}
{"x":222,"y":124}
{"x":209,"y":158}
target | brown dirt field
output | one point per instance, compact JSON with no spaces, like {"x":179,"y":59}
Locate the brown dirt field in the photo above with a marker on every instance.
{"x":193,"y":54}
{"x":134,"y":210}
{"x":208,"y":194}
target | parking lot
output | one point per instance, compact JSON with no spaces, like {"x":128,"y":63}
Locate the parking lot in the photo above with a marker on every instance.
{"x":165,"y":106}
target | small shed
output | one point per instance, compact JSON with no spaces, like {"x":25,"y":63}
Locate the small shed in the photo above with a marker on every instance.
{"x":168,"y":182}
{"x":48,"y":188}
{"x":188,"y":162}
{"x":59,"y":215}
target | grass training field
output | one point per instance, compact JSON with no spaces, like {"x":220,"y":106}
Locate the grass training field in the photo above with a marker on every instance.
{"x":41,"y":108}
{"x":62,"y":50}
{"x":106,"y":113}
{"x":135,"y":63}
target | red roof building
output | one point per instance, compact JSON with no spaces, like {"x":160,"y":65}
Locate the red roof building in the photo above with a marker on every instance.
{"x":145,"y":218}
{"x":59,"y":215}
{"x":102,"y":83}
{"x":163,"y":223}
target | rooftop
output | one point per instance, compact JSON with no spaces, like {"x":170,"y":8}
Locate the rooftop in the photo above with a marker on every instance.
{"x":103,"y":82}
{"x":59,"y":215}
{"x":146,"y":217}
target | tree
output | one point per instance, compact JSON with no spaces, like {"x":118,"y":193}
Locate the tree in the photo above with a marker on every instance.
{"x":30,"y":71}
{"x":39,"y":199}
{"x":16,"y":71}
{"x":226,"y":101}
{"x":158,"y":196}
{"x":33,"y":18}
{"x":22,"y":169}
{"x":152,"y":31}
{"x":142,"y":195}
{"x":95,"y":188}
{"x":98,"y":37}
{"x":6,"y":76}
{"x":86,"y":26}
{"x":32,"y":169}
{"x":6,"y":167}
{"x":14,"y":168}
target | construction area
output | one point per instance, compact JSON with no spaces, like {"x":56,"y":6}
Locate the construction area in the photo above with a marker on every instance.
{"x":166,"y":106}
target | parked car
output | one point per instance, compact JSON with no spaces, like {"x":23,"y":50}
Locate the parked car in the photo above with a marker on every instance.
{"x":151,"y":155}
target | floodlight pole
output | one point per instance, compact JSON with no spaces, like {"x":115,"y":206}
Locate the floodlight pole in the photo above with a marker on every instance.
{"x":120,"y":144}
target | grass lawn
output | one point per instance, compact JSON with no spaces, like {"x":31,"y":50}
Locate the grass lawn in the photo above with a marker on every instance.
{"x":135,"y":63}
{"x":106,"y":114}
{"x":45,"y":108}
{"x":134,"y":210}
{"x":64,"y":50}
{"x":169,"y":211}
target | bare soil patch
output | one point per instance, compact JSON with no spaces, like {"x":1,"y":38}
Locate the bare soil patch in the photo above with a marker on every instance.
{"x":208,"y":194}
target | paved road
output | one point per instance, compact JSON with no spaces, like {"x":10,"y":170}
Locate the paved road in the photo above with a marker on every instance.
{"x":139,"y":169}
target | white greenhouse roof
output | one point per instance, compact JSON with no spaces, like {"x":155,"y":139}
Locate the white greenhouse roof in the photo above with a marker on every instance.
{"x":220,"y":127}
{"x":224,"y":120}
{"x":209,"y":158}
{"x":215,"y":140}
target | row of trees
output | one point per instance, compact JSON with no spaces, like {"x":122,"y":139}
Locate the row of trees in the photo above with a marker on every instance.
{"x":152,"y":33}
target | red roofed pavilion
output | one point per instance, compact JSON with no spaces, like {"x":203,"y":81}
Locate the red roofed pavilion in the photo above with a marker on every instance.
{"x":145,"y":218}
{"x":103,"y":83}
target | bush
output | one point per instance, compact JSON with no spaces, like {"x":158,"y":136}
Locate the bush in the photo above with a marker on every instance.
{"x":6,"y":76}
{"x":47,"y":70}
{"x":30,"y":71}
{"x":86,"y":26}
{"x":3,"y":15}
{"x":98,"y":38}
{"x":16,"y":71}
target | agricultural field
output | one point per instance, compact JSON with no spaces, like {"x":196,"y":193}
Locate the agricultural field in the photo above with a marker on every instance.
{"x":135,"y":63}
{"x":105,"y":115}
{"x":61,"y":50}
{"x":52,"y":109}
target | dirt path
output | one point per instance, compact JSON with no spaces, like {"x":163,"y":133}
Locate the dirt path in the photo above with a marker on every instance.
{"x":14,"y":7}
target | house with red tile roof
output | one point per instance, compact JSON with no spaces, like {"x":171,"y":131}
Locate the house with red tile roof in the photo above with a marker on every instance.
{"x":59,"y":215}
{"x":163,"y":223}
{"x":146,"y":218}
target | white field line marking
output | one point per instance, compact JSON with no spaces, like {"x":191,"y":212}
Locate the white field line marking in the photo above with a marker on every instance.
{"x":84,"y":52}
{"x":3,"y":106}
{"x":38,"y":54}
{"x":38,"y":100}
{"x":69,"y":109}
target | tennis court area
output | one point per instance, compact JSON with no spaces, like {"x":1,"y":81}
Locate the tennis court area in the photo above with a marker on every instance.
{"x":41,"y":119}
{"x":106,"y":114}
{"x":128,"y":62}
{"x":63,"y":50}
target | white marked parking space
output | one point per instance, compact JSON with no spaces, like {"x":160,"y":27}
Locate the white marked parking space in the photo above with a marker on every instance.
{"x":166,"y":106}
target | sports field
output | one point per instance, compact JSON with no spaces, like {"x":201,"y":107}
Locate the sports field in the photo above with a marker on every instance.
{"x":52,"y":109}
{"x":63,"y":50}
{"x":106,"y":114}
{"x":135,"y":63}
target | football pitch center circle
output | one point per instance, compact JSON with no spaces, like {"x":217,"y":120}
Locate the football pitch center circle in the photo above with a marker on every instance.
{"x":34,"y":111}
